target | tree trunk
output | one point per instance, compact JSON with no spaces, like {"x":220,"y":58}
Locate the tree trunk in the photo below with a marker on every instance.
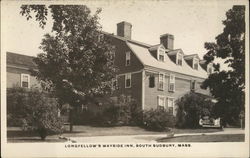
{"x":71,"y":113}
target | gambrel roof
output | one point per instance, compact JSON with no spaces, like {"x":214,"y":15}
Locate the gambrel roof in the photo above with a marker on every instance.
{"x":144,"y":55}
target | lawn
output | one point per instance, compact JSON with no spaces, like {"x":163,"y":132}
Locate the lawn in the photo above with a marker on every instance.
{"x":124,"y":130}
{"x":206,"y":138}
{"x":15,"y":134}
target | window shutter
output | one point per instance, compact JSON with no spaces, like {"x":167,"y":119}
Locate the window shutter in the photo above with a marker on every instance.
{"x":128,"y":80}
{"x":151,"y":81}
{"x":172,"y":83}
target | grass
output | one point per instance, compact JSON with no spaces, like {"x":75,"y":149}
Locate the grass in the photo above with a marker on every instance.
{"x":199,"y":130}
{"x":35,"y":140}
{"x":15,"y":134}
{"x":81,"y":131}
{"x":206,"y":138}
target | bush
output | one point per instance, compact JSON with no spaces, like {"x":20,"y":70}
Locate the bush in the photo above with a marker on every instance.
{"x":191,"y":107}
{"x":128,"y":113}
{"x":158,"y":120}
{"x":16,"y":106}
{"x":121,"y":112}
{"x":39,"y":111}
{"x":13,"y":121}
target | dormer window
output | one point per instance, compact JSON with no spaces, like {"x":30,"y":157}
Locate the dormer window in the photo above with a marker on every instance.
{"x":195,"y":63}
{"x":161,"y":54}
{"x":179,"y":58}
{"x":127,"y":58}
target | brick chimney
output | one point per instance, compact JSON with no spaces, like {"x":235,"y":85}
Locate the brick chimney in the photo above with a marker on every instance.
{"x":124,"y":29}
{"x":167,"y":40}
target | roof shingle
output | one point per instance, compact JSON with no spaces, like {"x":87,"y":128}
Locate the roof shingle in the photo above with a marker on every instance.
{"x":20,"y":60}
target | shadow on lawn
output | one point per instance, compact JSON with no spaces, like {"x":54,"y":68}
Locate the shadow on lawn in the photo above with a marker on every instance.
{"x":34,"y":140}
{"x":73,"y":132}
{"x":20,"y":133}
{"x":19,"y":136}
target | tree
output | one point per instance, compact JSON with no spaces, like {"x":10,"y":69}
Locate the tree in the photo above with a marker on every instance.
{"x":35,"y":110}
{"x":77,"y":63}
{"x":191,"y":107}
{"x":228,"y":86}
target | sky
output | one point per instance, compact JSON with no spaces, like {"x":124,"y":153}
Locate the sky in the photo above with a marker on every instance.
{"x":192,"y":23}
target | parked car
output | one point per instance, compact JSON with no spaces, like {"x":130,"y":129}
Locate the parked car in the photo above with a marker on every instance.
{"x":208,"y":122}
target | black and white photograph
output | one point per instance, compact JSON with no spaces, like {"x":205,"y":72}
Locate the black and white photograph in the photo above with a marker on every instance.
{"x":146,"y":78}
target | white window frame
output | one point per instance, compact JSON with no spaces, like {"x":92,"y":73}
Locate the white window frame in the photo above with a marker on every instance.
{"x":128,"y":76}
{"x":173,"y":104}
{"x":169,"y":98}
{"x":171,"y":81}
{"x":161,"y":80}
{"x":195,"y":60}
{"x":128,"y":58}
{"x":23,"y":75}
{"x":163,"y":99}
{"x":159,"y":53}
{"x":177,"y":58}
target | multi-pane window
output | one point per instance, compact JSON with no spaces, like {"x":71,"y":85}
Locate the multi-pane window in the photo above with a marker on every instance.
{"x":25,"y":80}
{"x":161,"y":102}
{"x":161,"y":55}
{"x":193,"y":83}
{"x":151,"y":81}
{"x":179,"y":59}
{"x":161,"y":81}
{"x":171,"y":83}
{"x":170,"y":104}
{"x":127,"y":58}
{"x":195,"y":63}
{"x":128,"y":80}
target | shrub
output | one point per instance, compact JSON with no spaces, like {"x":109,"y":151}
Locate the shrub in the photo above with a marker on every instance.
{"x":136,"y":114}
{"x":112,"y":113}
{"x":84,"y":117}
{"x":158,"y":120}
{"x":39,"y":113}
{"x":16,"y":106}
{"x":13,"y":121}
{"x":125,"y":113}
{"x":191,"y":107}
